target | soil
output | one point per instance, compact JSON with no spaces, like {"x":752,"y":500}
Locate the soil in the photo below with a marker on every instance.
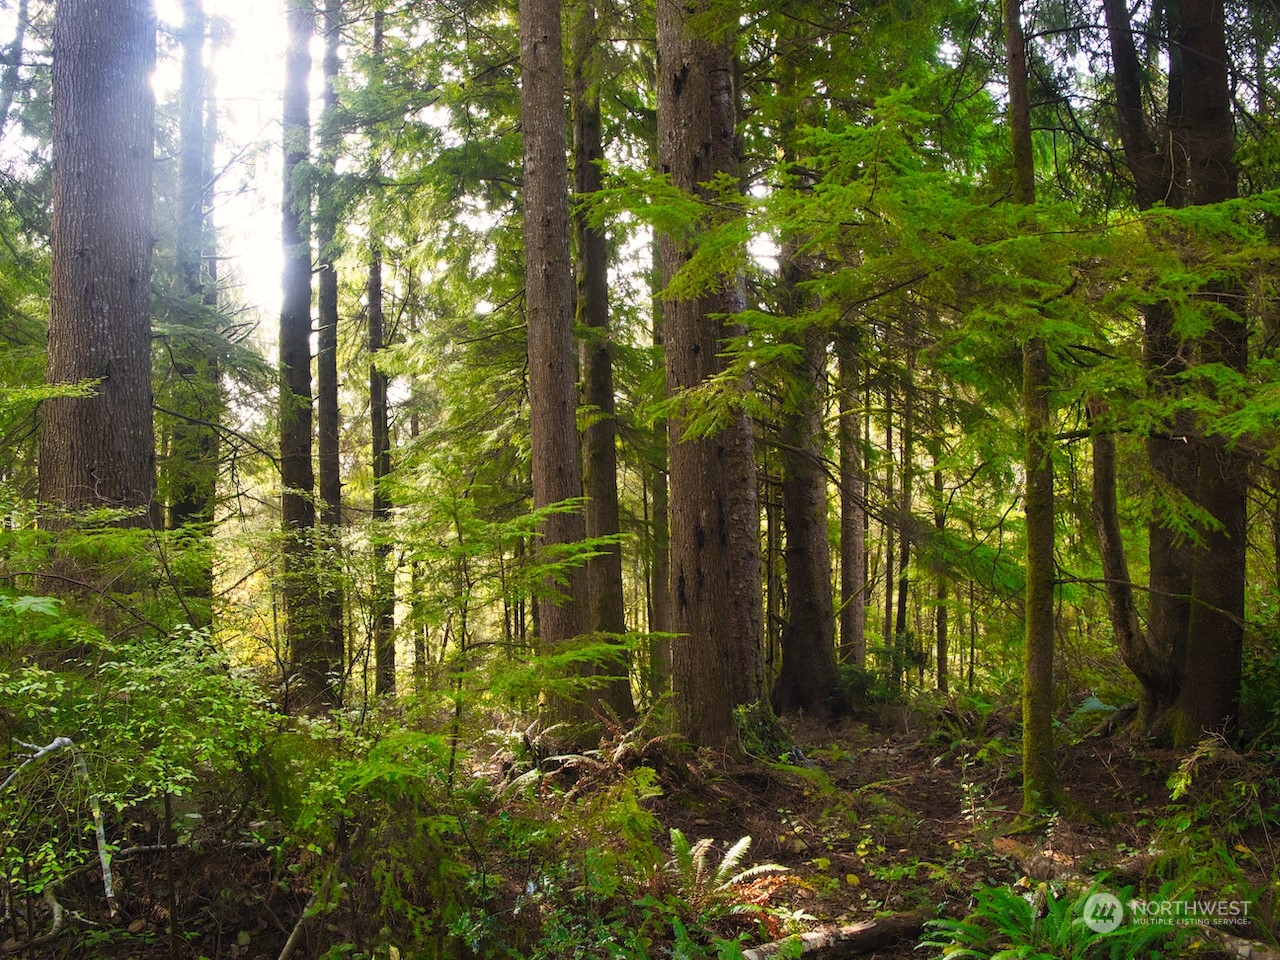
{"x":889,"y":813}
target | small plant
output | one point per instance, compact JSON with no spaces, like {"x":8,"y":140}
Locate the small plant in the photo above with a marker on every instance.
{"x":707,"y":886}
{"x":1039,"y":925}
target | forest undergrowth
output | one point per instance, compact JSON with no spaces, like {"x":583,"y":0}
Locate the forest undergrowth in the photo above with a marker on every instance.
{"x":237,"y":832}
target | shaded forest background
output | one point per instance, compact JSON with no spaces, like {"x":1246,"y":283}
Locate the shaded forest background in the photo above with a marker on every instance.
{"x":681,"y":422}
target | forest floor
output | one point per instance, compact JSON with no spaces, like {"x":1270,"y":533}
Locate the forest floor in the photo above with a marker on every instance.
{"x":891,"y":813}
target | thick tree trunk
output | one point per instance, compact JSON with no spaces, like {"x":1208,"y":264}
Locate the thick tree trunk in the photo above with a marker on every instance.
{"x":853,"y":514}
{"x":607,"y":607}
{"x":99,"y":450}
{"x":1208,"y":699}
{"x":715,"y":519}
{"x":808,"y":680}
{"x":557,"y":475}
{"x":1195,"y":620}
{"x":307,"y":652}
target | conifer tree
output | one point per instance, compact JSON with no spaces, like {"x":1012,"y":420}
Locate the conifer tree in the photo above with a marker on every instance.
{"x":99,"y":450}
{"x":715,"y":551}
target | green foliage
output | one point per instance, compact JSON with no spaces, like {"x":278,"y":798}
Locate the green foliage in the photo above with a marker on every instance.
{"x":1040,"y":925}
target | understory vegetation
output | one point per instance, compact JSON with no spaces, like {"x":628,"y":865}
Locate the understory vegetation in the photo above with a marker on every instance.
{"x":445,"y":826}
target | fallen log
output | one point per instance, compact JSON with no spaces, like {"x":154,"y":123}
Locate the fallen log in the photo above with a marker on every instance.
{"x":833,"y":943}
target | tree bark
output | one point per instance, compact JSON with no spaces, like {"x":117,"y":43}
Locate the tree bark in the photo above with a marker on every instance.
{"x":308,"y":655}
{"x":715,"y":519}
{"x":99,"y":450}
{"x":1040,"y":789}
{"x":1208,"y":698}
{"x":606,"y":605}
{"x":1195,"y":620}
{"x":557,"y":475}
{"x":384,"y":584}
{"x":329,"y":532}
{"x":808,"y":679}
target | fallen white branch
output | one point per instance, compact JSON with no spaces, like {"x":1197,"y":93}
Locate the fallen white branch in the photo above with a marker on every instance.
{"x":95,"y":808}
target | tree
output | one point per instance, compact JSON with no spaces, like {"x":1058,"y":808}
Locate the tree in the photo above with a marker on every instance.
{"x":1040,"y":788}
{"x":98,"y":450}
{"x":548,"y":298}
{"x":606,"y":607}
{"x":384,"y":594}
{"x":853,"y":513}
{"x":329,"y":419}
{"x":304,"y":633}
{"x":715,"y":551}
{"x":1189,"y":660}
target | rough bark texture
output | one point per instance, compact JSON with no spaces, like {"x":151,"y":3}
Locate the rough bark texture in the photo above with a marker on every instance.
{"x":557,"y":476}
{"x":853,"y":516}
{"x":1195,"y":619}
{"x":308,"y":656}
{"x":1208,"y":699}
{"x":98,"y":450}
{"x":329,"y":533}
{"x":606,"y":605}
{"x":715,"y":520}
{"x":808,"y":679}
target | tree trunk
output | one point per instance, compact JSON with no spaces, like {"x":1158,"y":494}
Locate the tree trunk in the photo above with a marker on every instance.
{"x":902,"y":640}
{"x":1040,"y":789}
{"x":384,"y":577}
{"x":607,"y":607}
{"x":557,"y":475}
{"x":329,"y":532}
{"x":853,"y":515}
{"x":1208,"y":698}
{"x":1195,"y":619}
{"x":384,"y":588}
{"x":940,"y":612}
{"x":1146,"y":664}
{"x":715,"y":519}
{"x":663,"y":620}
{"x":308,"y":653}
{"x":894,"y":670}
{"x":99,"y":450}
{"x":808,"y":680}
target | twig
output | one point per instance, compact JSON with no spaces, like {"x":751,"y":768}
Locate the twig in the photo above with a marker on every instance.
{"x":95,"y":808}
{"x":59,"y":917}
